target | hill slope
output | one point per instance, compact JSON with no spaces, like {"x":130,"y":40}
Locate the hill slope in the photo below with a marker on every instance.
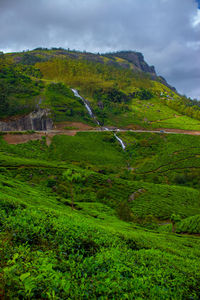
{"x":49,"y":250}
{"x":123,"y":91}
{"x":80,"y":216}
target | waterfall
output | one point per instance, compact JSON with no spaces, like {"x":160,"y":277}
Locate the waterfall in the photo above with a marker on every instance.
{"x":87,"y":105}
{"x":121,"y":142}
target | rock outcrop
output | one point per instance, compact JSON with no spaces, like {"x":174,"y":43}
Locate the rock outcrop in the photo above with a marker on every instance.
{"x":38,"y":120}
{"x":135,"y":58}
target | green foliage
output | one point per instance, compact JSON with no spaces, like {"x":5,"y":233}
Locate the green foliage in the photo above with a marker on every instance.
{"x":113,"y":85}
{"x":55,"y":253}
{"x":30,"y":59}
{"x":185,"y":106}
{"x":110,"y":95}
{"x":174,"y":219}
{"x":110,"y":102}
{"x":168,"y":158}
{"x":29,"y":71}
{"x":17,"y":91}
{"x":144,"y":94}
{"x":91,"y":148}
{"x":72,"y":177}
{"x":79,"y":218}
{"x":64,"y":105}
{"x":102,"y":155}
{"x":50,"y":251}
{"x":124,"y":211}
{"x":189,"y":225}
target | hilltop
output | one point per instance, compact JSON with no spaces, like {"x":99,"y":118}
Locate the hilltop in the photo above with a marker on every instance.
{"x":122,"y":89}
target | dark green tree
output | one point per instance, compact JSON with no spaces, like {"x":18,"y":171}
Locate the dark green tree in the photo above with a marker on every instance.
{"x":3,"y":99}
{"x":72,"y":177}
{"x":174,"y":219}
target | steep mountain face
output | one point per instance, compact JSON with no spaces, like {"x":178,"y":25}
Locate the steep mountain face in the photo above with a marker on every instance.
{"x":38,"y":120}
{"x":135,"y":58}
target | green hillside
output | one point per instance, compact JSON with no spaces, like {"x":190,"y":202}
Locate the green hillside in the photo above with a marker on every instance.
{"x":49,"y":250}
{"x":189,"y":225}
{"x":81,"y":217}
{"x":122,"y":89}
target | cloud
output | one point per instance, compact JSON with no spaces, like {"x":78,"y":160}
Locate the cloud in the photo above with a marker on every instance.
{"x":166,"y":31}
{"x":196,"y":19}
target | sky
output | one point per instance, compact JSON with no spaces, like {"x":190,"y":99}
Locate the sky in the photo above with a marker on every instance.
{"x":167,"y":32}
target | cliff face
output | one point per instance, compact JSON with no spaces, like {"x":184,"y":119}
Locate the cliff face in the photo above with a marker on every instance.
{"x":135,"y":58}
{"x":37,"y":120}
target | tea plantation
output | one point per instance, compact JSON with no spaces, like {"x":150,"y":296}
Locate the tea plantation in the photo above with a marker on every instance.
{"x":79,"y":220}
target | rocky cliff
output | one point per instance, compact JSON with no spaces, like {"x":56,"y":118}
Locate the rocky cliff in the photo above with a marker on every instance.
{"x":136,"y":59}
{"x":37,"y":120}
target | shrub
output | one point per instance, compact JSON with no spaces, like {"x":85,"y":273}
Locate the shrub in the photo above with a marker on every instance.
{"x":124,"y":211}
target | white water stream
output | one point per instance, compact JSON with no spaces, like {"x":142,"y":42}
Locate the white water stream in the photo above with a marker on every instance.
{"x":94,"y":117}
{"x":86,"y":105}
{"x":121,"y":142}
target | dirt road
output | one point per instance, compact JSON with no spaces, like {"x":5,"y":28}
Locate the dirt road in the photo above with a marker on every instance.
{"x":19,"y":138}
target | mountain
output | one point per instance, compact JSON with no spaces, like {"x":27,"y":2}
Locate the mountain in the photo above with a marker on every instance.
{"x":122,"y":90}
{"x":90,"y":209}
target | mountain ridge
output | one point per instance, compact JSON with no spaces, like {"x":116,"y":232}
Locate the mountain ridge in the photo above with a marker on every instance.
{"x":121,"y":88}
{"x":132,"y":59}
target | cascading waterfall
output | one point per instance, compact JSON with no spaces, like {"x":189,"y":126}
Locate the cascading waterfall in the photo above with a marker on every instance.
{"x":87,"y":105}
{"x":121,"y":142}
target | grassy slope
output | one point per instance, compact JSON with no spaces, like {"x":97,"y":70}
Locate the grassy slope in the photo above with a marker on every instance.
{"x":45,"y":252}
{"x":157,"y":115}
{"x":110,"y":182}
{"x":164,"y":158}
{"x":50,"y":251}
{"x":189,"y":225}
{"x":89,"y":77}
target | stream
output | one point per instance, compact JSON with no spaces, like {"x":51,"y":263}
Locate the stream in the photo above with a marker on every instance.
{"x":121,"y":142}
{"x":87,"y":105}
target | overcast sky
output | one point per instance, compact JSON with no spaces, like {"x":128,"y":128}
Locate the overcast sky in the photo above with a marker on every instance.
{"x":167,"y":32}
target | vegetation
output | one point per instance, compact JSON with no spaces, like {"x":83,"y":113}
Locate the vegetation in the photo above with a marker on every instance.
{"x":17,"y":85}
{"x":63,"y":104}
{"x":189,"y":225}
{"x":121,"y":92}
{"x":164,"y":158}
{"x":49,"y":250}
{"x":79,"y":217}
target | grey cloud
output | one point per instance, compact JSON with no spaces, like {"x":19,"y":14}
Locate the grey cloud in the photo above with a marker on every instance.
{"x":161,"y":29}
